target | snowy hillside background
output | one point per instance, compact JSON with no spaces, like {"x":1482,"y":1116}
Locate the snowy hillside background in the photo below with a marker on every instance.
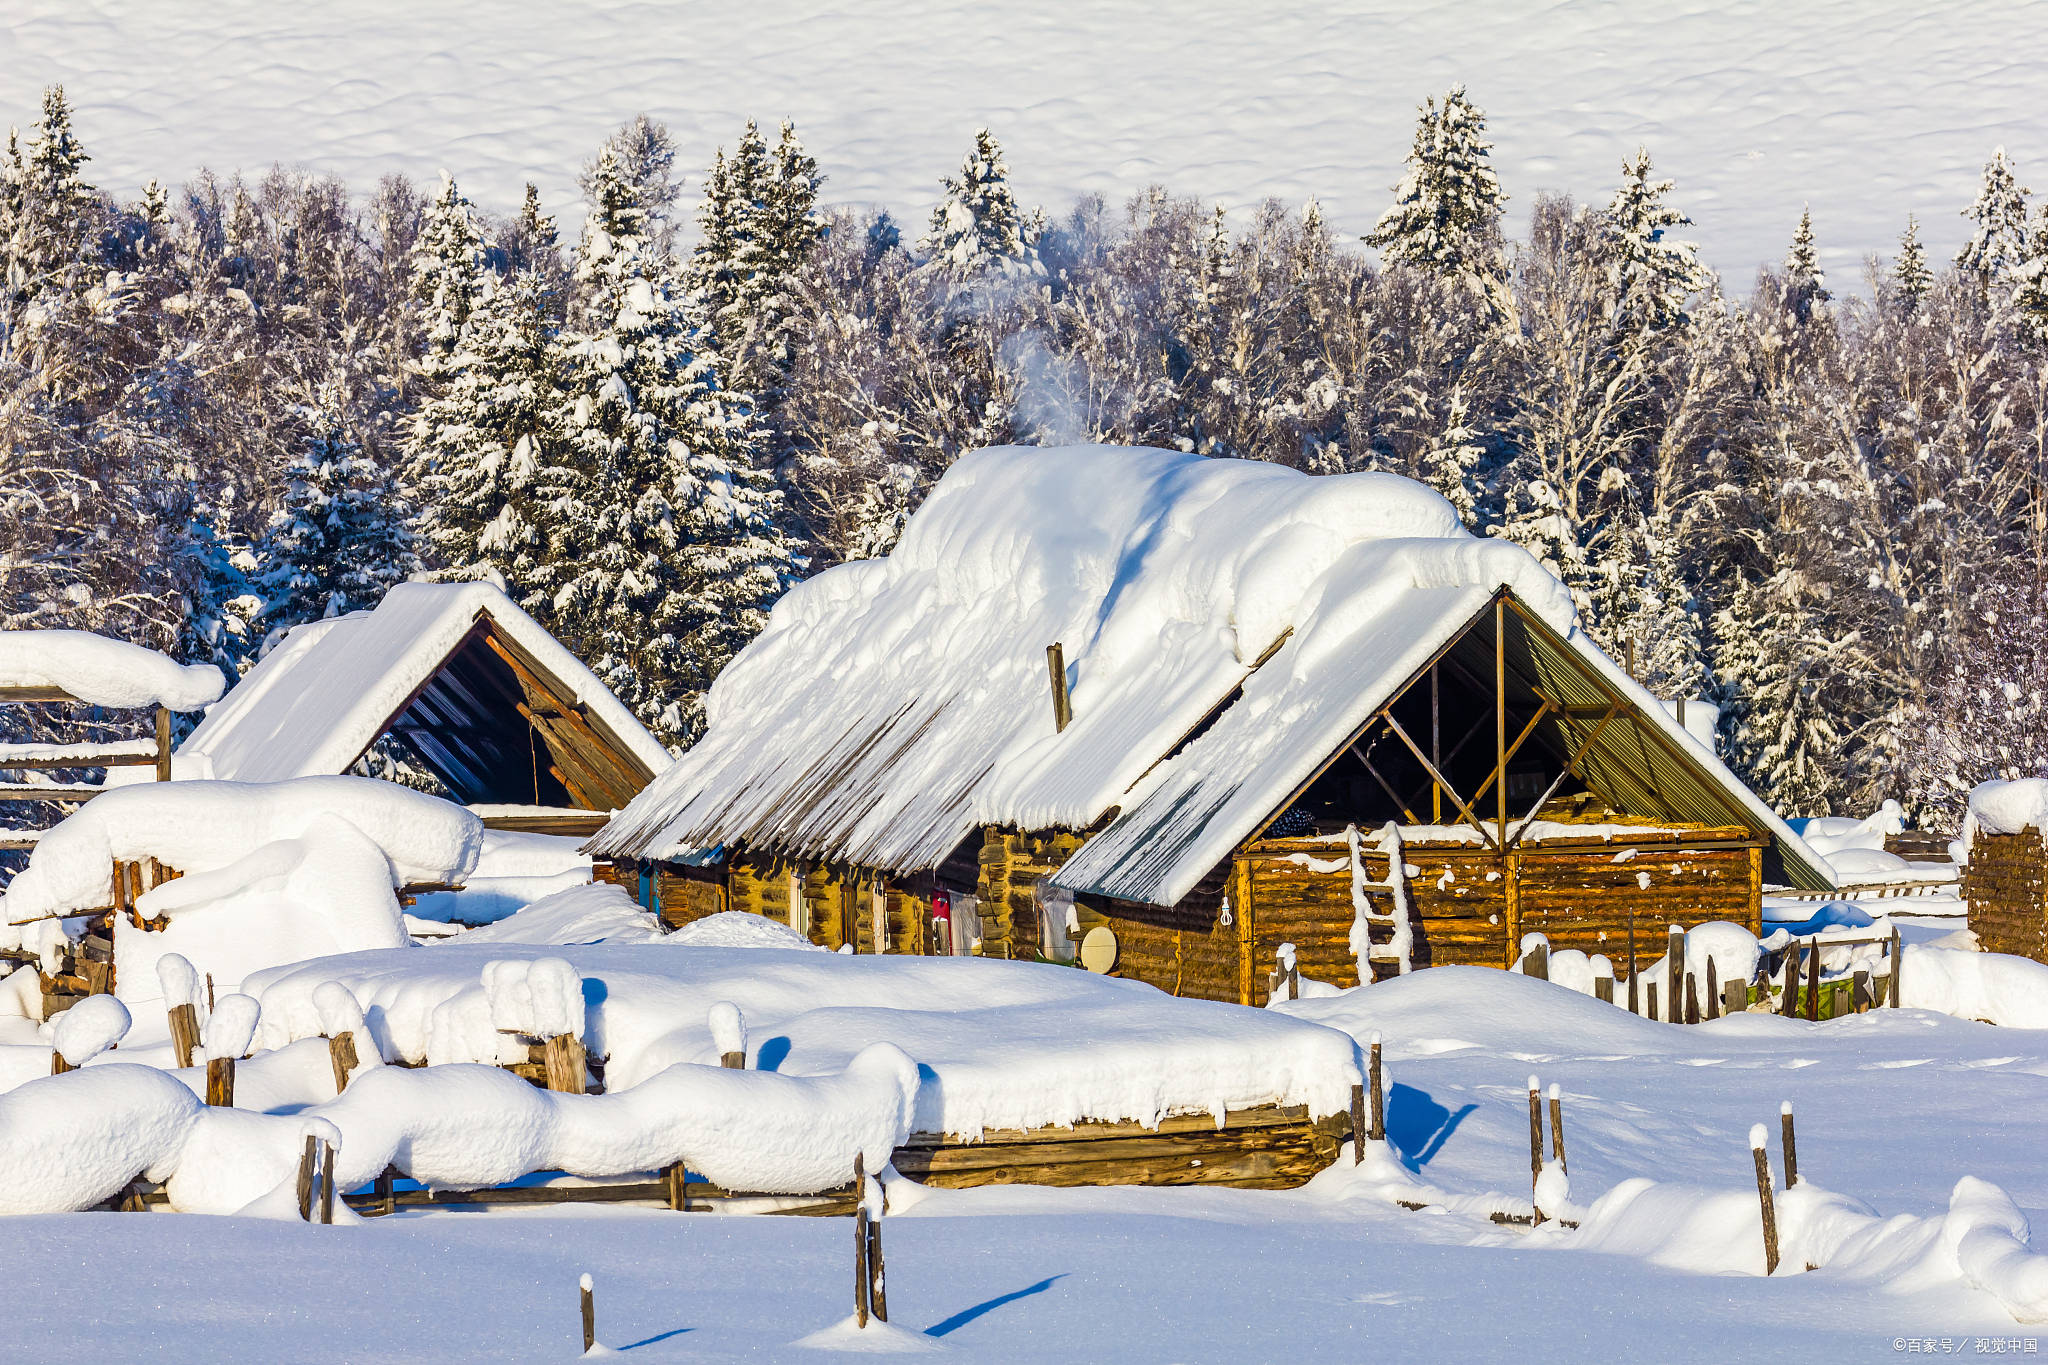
{"x":1864,"y":110}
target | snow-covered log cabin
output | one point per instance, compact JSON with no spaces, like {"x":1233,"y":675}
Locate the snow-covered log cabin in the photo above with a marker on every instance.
{"x":1211,"y":706}
{"x":452,"y":678}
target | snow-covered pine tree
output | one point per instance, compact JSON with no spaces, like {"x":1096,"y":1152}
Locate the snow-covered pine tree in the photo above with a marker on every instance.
{"x":448,"y":271}
{"x":2030,"y":286}
{"x":977,"y":227}
{"x":339,"y":540}
{"x":1778,"y":733}
{"x":1445,"y":218}
{"x":46,"y":235}
{"x":1451,"y":463}
{"x":1670,"y":652}
{"x":1911,"y":277}
{"x":666,"y":556}
{"x":758,"y":224}
{"x":645,"y":154}
{"x":490,"y":440}
{"x":1654,"y":272}
{"x":1805,"y":281}
{"x":1998,"y":223}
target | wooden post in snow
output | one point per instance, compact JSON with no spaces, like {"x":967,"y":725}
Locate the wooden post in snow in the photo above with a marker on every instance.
{"x":1358,"y":1123}
{"x":1791,"y":1144}
{"x":184,"y":1032}
{"x":1692,"y":999}
{"x":306,"y":1160}
{"x":1379,"y":1094}
{"x":1757,"y":1143}
{"x":341,"y":1055}
{"x":861,"y":1283}
{"x":1557,"y":1126}
{"x":1674,"y":972}
{"x":328,"y":1152}
{"x":1651,"y":1002}
{"x":564,"y":1058}
{"x":220,"y":1082}
{"x":1713,"y":989}
{"x":589,"y":1299}
{"x":1735,"y":997}
{"x":163,"y":744}
{"x":1535,"y":1146}
{"x":1062,"y":704}
{"x":1813,"y":984}
{"x":1632,"y":1001}
{"x":1898,"y":960}
{"x":1789,"y":1006}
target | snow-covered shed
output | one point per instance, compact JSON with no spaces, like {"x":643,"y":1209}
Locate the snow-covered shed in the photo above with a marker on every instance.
{"x":466,"y":684}
{"x":1172,"y":691}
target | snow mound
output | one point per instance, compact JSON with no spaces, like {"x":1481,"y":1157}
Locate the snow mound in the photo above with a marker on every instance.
{"x":104,"y":672}
{"x":877,"y":1338}
{"x":738,"y":929}
{"x":1994,"y":987}
{"x":1448,"y":1008}
{"x":200,"y":827}
{"x":89,"y":1028}
{"x":596,"y":912}
{"x":2008,"y":807}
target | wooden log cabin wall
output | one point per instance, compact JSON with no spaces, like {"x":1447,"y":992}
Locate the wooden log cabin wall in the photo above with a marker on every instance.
{"x":2005,"y":886}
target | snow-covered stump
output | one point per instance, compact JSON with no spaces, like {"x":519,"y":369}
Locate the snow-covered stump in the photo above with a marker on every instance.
{"x":1757,"y":1143}
{"x":180,"y":982}
{"x":542,"y":999}
{"x":90,"y":1027}
{"x":729,"y":1035}
{"x":229,"y":1030}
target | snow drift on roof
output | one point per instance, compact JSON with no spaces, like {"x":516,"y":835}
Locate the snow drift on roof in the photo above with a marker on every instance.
{"x":894,"y":705}
{"x":104,"y":672}
{"x":322,"y":695}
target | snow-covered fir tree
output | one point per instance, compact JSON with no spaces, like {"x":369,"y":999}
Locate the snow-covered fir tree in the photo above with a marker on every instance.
{"x":2030,"y":286}
{"x":1781,"y":736}
{"x":1445,"y":218}
{"x":1806,"y":284}
{"x":339,"y":540}
{"x":1998,"y":223}
{"x":644,"y":153}
{"x":1451,"y":463}
{"x":1655,"y":272}
{"x":1911,"y":278}
{"x":1670,"y":652}
{"x":757,"y":225}
{"x":49,"y":204}
{"x":448,"y":273}
{"x":977,"y":227}
{"x":665,"y":555}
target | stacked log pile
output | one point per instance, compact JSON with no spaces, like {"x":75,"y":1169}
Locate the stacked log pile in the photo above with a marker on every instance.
{"x":2006,"y":888}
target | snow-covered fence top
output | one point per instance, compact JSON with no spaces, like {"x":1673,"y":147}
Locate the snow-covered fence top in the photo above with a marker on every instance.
{"x":1000,"y":1045}
{"x":205,"y":827}
{"x":104,"y":672}
{"x":2007,"y":807}
{"x":893,"y":705}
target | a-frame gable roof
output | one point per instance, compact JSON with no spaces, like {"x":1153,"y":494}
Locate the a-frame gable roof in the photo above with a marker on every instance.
{"x":1292,"y":722}
{"x":480,"y":693}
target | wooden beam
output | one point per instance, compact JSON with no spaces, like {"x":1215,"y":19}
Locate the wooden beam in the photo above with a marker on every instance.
{"x":1385,"y":786}
{"x":35,"y":694}
{"x":1445,"y":782}
{"x":1500,"y":714}
{"x":163,"y":744}
{"x":1062,"y":705}
{"x":1571,"y":766}
{"x":1512,"y":750}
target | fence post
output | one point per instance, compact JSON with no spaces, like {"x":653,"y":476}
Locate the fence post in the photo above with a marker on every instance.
{"x":1535,"y":1147}
{"x":589,"y":1313}
{"x":1379,"y":1094}
{"x":1557,"y":1127}
{"x":1791,"y":1144}
{"x":861,"y":1284}
{"x":1713,"y":990}
{"x":328,"y":1151}
{"x":1813,"y":984}
{"x":306,"y":1160}
{"x":1898,"y":961}
{"x":1757,"y":1143}
{"x":1358,"y":1123}
{"x":1674,"y":972}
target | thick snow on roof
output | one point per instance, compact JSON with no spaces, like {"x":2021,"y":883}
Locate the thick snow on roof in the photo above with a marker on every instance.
{"x":894,"y":705}
{"x":104,"y":672}
{"x":322,"y":695}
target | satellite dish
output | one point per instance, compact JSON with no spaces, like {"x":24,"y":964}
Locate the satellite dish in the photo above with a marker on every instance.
{"x":1098,"y":950}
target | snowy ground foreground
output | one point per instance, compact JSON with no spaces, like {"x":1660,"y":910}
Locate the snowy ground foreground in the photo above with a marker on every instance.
{"x":1893,"y":1108}
{"x":1867,"y":109}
